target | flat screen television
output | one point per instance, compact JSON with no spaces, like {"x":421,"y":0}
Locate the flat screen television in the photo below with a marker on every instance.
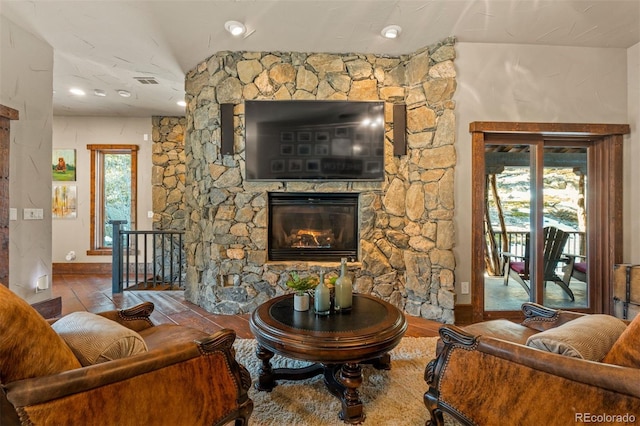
{"x":314,"y":140}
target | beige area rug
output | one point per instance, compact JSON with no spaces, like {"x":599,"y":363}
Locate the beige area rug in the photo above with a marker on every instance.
{"x":393,"y":397}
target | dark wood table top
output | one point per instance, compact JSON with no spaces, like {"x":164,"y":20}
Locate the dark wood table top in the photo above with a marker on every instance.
{"x":371,"y":329}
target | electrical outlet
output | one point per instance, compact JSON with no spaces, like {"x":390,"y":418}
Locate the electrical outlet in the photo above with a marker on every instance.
{"x":42,"y":283}
{"x":464,"y":287}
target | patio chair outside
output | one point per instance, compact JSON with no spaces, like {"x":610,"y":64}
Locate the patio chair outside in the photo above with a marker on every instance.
{"x":554,"y":241}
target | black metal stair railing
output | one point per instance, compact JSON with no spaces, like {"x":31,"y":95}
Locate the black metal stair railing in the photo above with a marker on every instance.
{"x":147,"y":259}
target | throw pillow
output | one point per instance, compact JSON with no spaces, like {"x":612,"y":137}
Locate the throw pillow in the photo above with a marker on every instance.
{"x":589,"y":337}
{"x":95,"y":339}
{"x":626,"y":350}
{"x":28,"y":345}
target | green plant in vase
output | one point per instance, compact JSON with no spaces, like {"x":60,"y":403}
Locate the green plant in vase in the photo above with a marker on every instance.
{"x":301,"y":284}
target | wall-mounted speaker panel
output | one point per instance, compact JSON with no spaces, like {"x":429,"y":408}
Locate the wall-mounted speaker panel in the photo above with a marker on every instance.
{"x":399,"y":129}
{"x":226,"y":129}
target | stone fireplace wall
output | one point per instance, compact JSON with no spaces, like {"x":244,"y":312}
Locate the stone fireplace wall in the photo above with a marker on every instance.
{"x":406,"y":222}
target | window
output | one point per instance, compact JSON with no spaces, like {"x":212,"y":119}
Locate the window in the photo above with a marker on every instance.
{"x":113,"y":192}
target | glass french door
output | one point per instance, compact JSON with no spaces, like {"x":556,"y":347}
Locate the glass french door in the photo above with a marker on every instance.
{"x":574,"y":176}
{"x":535,"y":224}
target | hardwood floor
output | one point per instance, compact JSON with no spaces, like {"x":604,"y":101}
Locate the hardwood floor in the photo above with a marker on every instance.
{"x":93,"y":293}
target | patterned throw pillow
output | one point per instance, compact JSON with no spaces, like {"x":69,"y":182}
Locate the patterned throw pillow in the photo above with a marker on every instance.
{"x":28,"y":345}
{"x":589,"y":337}
{"x":626,"y":350}
{"x":95,"y":339}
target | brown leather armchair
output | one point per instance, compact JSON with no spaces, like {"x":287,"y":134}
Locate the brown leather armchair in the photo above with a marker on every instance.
{"x":184,"y":377}
{"x":484,"y":374}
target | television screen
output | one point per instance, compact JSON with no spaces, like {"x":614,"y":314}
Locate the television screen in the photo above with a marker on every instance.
{"x":314,"y":140}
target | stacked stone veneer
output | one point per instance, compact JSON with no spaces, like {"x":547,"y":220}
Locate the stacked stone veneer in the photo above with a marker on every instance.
{"x":406,"y":222}
{"x":168,"y":174}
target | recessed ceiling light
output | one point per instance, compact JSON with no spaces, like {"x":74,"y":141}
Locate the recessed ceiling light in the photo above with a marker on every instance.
{"x":76,"y":91}
{"x":182,"y":103}
{"x":99,"y":92}
{"x":235,"y":28}
{"x":391,"y":31}
{"x":124,"y":93}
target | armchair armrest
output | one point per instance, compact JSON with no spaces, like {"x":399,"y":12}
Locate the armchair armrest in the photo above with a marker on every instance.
{"x":41,"y":389}
{"x":541,"y":318}
{"x":509,"y":254}
{"x":135,"y":318}
{"x":484,"y":380}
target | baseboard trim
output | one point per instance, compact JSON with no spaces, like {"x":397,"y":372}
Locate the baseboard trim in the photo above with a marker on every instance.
{"x":464,"y":314}
{"x":81,"y":268}
{"x":51,"y":308}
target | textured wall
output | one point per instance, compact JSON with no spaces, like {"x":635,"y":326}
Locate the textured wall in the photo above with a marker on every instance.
{"x":406,"y":222}
{"x":26,"y":84}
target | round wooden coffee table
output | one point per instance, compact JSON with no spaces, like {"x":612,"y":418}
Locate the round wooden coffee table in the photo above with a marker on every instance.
{"x":337,"y":343}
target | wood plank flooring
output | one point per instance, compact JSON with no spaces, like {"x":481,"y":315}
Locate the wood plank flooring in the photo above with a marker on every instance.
{"x":92,"y":293}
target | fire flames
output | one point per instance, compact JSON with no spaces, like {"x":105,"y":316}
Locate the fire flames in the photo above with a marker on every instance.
{"x":310,"y":238}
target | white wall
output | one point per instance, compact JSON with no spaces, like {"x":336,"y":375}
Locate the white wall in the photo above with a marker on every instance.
{"x":508,"y":82}
{"x":76,"y":133}
{"x":26,"y":84}
{"x":632,"y":160}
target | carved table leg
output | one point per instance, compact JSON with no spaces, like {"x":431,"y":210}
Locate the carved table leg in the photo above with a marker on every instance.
{"x":382,"y":363}
{"x":268,"y":376}
{"x":266,"y":380}
{"x":351,"y":376}
{"x":343,"y":382}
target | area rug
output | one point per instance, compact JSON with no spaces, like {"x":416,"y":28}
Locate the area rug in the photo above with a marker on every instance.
{"x":390,"y":397}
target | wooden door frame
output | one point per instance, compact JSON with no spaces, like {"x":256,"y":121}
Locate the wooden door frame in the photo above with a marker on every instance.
{"x":604,"y":203}
{"x":6,"y":115}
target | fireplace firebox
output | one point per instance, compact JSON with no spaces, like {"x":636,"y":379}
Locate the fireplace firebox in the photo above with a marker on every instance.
{"x":313,"y":226}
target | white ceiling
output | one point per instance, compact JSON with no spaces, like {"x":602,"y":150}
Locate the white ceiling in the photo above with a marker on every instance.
{"x":104,"y":44}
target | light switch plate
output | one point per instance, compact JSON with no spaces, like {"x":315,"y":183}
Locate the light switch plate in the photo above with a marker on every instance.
{"x":13,"y":213}
{"x":33,"y":214}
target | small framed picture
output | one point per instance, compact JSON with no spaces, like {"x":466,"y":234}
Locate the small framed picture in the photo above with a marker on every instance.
{"x":321,"y":149}
{"x":286,"y":137}
{"x":64,"y":165}
{"x":295,"y":165}
{"x":342,"y":132}
{"x":287,"y":149}
{"x":322,"y":136}
{"x":304,"y":149}
{"x":313,"y":165}
{"x":64,"y":202}
{"x":304,"y":136}
{"x":277,"y":166}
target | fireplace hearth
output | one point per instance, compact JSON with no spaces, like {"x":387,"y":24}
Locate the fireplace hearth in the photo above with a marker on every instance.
{"x":313,"y":226}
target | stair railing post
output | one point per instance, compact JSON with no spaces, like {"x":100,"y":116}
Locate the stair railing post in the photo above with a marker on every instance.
{"x":116,"y":257}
